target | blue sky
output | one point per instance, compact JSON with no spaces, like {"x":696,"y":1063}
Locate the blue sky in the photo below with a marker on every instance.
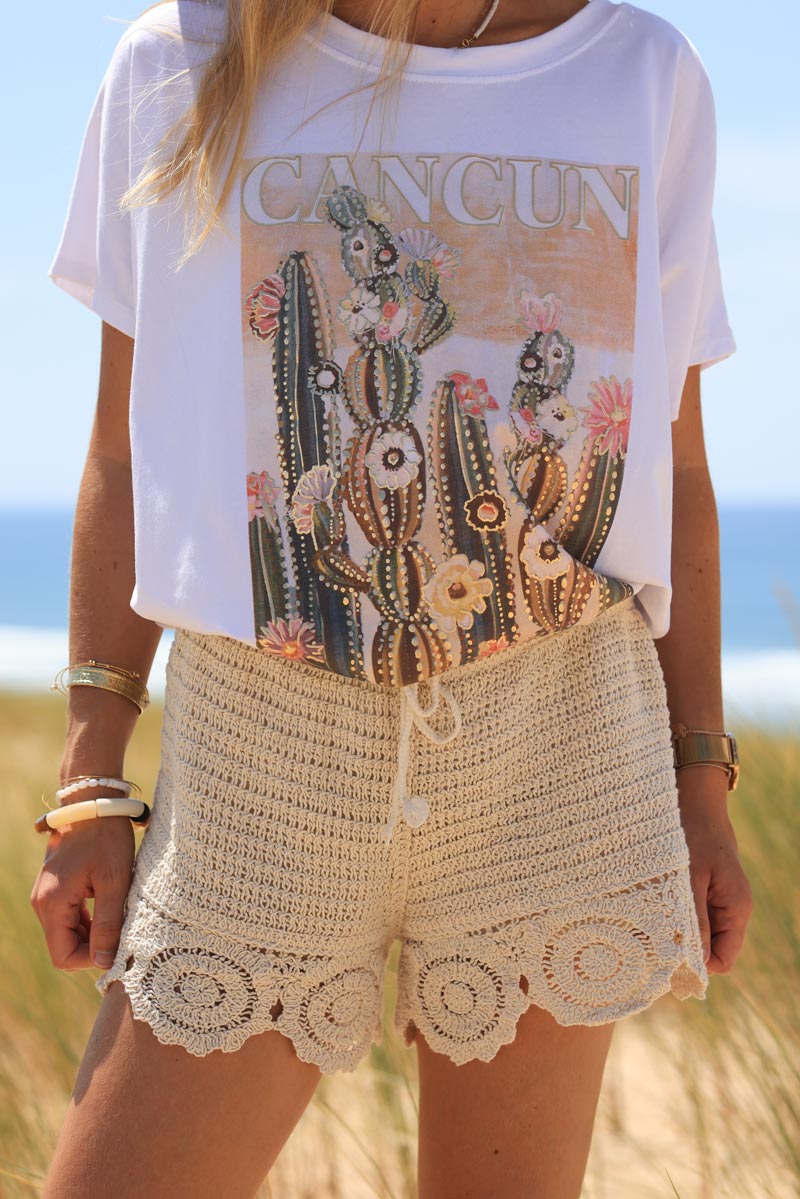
{"x":48,"y":368}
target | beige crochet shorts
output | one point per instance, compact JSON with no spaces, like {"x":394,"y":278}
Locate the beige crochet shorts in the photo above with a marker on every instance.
{"x":540,"y":860}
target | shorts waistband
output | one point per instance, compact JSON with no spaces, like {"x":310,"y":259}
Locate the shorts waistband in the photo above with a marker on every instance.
{"x":257,"y":679}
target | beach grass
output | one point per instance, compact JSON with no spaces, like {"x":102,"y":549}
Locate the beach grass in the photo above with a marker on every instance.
{"x":700,"y":1099}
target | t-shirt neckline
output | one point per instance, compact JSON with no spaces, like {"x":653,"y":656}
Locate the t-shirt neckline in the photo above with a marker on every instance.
{"x":479,"y":62}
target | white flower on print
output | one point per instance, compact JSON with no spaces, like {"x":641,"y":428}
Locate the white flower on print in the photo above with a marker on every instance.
{"x":456,"y":590}
{"x":424,"y":244}
{"x":557,"y":416}
{"x":393,"y":459}
{"x":557,"y":353}
{"x":325,"y":377}
{"x":377,"y":211}
{"x":359,"y":310}
{"x":544,"y":558}
{"x":314,"y":487}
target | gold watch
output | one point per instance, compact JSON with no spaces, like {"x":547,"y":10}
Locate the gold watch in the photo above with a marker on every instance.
{"x":702,"y":745}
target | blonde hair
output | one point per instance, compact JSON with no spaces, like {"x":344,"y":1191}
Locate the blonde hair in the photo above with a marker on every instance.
{"x":256,"y":35}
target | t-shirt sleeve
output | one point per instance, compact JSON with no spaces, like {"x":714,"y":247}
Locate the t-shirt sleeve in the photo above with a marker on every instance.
{"x":94,"y":260}
{"x":695,"y":318}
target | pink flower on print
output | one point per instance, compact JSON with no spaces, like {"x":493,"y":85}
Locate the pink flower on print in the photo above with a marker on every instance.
{"x":492,"y":646}
{"x":293,"y":639}
{"x":609,"y":414}
{"x":525,"y":424}
{"x":540,"y":314}
{"x":472,"y":394}
{"x":262,"y":494}
{"x":392,"y":322}
{"x":264,"y":303}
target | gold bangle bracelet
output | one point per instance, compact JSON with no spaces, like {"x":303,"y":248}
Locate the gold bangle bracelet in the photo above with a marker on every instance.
{"x":99,"y":674}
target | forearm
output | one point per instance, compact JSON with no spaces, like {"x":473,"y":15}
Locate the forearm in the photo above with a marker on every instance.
{"x":102,"y":625}
{"x":690,"y":656}
{"x":690,"y":653}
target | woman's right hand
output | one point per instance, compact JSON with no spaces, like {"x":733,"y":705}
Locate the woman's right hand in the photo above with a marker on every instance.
{"x":88,"y":859}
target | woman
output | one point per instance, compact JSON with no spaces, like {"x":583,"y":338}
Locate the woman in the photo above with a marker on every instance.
{"x":410,"y":438}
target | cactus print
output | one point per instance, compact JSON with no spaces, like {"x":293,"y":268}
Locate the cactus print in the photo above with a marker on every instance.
{"x":472,"y":512}
{"x":558,"y":583}
{"x":428,"y":481}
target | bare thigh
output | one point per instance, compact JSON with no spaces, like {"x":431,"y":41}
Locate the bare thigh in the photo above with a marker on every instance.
{"x":152,"y":1119}
{"x":516,"y":1127}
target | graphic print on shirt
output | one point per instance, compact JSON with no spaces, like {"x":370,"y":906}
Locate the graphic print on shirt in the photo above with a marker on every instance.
{"x":438,"y":358}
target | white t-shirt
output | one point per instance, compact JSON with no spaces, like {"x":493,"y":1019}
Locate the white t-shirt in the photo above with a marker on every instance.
{"x":411,"y":402}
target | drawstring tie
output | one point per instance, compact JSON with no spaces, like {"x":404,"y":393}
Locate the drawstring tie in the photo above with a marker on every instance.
{"x":415,"y":808}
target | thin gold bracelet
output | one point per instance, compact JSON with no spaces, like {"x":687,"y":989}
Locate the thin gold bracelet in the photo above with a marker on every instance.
{"x":79,"y":782}
{"x":729,"y":761}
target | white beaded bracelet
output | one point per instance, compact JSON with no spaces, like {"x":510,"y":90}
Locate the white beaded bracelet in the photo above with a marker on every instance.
{"x":98,"y":781}
{"x":89,"y":809}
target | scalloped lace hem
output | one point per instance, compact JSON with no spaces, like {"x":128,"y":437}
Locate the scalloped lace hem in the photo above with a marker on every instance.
{"x":590,"y":962}
{"x":204,"y":991}
{"x":595,"y":960}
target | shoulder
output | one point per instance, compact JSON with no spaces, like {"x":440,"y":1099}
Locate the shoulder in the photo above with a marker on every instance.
{"x":664,"y":43}
{"x":181,"y":20}
{"x":669,"y":64}
{"x":172,"y":34}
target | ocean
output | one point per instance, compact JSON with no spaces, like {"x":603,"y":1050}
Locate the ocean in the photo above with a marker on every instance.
{"x":760,"y":564}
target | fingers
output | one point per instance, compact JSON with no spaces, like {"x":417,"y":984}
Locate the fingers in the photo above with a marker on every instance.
{"x":700,"y":891}
{"x":725,"y":947}
{"x":729,"y":917}
{"x":94,"y":861}
{"x":86,"y":922}
{"x":59,"y":911}
{"x":110,"y":892}
{"x":724,"y":904}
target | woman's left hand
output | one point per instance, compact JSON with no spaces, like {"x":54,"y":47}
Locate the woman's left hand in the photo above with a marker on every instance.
{"x":722,"y":893}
